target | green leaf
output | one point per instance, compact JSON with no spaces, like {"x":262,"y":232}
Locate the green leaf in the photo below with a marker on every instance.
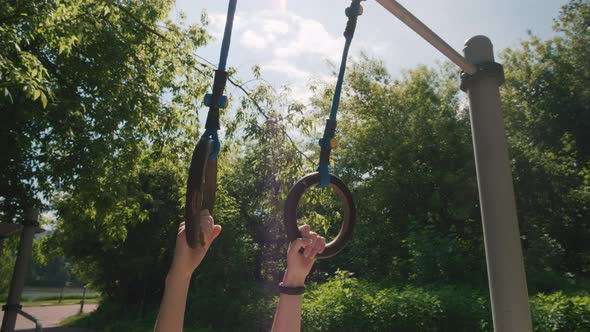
{"x":43,"y":100}
{"x":8,"y":95}
{"x":36,"y":94}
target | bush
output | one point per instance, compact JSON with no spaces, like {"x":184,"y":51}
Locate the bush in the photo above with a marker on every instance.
{"x":558,"y":312}
{"x":348,"y":304}
{"x":110,"y":317}
{"x":403,"y":310}
{"x":345,"y":303}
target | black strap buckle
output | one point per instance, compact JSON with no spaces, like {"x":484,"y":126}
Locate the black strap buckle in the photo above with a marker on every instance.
{"x":216,"y":100}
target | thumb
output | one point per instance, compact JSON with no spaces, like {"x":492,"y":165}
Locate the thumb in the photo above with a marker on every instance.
{"x":216,"y":231}
{"x":301,"y":243}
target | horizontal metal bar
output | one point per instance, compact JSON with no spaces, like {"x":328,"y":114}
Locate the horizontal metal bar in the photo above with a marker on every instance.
{"x":424,"y":31}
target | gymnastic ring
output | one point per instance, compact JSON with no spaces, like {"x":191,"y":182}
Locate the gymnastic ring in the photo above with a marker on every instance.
{"x":342,"y":191}
{"x":200,"y":190}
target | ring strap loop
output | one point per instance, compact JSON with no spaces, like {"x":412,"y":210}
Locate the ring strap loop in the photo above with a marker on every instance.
{"x":352,"y":13}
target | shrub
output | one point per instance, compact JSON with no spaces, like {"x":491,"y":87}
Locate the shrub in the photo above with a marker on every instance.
{"x":558,"y":312}
{"x":345,"y":303}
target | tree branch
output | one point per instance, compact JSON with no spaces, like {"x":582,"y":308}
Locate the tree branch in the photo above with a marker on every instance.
{"x":258,"y":108}
{"x":140,"y":22}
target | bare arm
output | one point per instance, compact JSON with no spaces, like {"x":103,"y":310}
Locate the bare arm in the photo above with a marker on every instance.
{"x":186,"y":260}
{"x":288,"y":314}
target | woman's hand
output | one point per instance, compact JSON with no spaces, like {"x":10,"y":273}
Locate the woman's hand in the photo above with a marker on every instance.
{"x":299,"y":265}
{"x":186,"y":259}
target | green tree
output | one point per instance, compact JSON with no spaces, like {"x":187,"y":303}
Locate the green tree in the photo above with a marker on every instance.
{"x":547,"y":109}
{"x":98,"y":119}
{"x":405,"y":149}
{"x":87,"y":86}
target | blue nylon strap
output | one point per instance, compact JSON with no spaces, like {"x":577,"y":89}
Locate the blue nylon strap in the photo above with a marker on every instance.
{"x":231,"y":11}
{"x":340,"y":82}
{"x":324,"y":171}
{"x":212,"y":134}
{"x":229,"y":23}
{"x":324,"y":167}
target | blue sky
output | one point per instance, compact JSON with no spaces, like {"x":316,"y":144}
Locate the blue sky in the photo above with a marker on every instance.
{"x":292,"y":40}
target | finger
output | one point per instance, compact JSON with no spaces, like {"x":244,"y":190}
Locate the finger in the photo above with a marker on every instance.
{"x":216,"y":231}
{"x":313,"y":237}
{"x":318,"y":246}
{"x":212,"y":235}
{"x":304,"y":230}
{"x":206,"y":219}
{"x":323,"y":245}
{"x":207,"y":231}
{"x":206,"y":223}
{"x":300,"y":243}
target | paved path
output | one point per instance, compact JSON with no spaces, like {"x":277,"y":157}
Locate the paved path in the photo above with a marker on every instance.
{"x":50,"y":317}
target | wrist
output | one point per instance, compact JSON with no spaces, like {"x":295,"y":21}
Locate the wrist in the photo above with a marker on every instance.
{"x":293,"y":280}
{"x":178,"y":277}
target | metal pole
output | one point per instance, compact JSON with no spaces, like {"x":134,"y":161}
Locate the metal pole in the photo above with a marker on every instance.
{"x":61,"y":293}
{"x":420,"y":28}
{"x":506,"y":275}
{"x":82,"y":302}
{"x":17,"y":284}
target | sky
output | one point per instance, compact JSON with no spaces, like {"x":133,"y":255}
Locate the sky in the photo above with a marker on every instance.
{"x":295,"y":40}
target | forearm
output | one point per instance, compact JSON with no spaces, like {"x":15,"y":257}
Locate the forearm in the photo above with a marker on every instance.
{"x":171,"y":315}
{"x":288,"y":314}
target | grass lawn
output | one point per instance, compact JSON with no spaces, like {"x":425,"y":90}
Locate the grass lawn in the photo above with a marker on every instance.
{"x":53,"y":300}
{"x":98,"y":322}
{"x":45,"y":303}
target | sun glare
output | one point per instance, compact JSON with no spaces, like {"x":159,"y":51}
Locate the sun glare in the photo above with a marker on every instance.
{"x":283,"y":6}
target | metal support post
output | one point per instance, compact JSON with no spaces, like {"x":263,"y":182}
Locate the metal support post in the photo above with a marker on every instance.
{"x":82,"y":302}
{"x":17,"y":284}
{"x":506,"y":275}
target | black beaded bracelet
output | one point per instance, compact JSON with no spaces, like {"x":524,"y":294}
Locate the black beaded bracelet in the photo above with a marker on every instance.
{"x":291,"y":290}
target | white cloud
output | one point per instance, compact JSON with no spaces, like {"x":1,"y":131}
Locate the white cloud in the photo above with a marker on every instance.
{"x":290,"y":49}
{"x":251,"y":39}
{"x":311,"y":37}
{"x":286,"y":68}
{"x":274,"y":27}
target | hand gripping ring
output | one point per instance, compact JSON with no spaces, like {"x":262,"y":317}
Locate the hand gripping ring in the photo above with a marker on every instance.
{"x":200,"y":190}
{"x":290,"y":217}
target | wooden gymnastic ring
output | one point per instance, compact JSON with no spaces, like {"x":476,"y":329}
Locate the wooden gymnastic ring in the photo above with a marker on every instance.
{"x":200,"y":190}
{"x":342,"y":191}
